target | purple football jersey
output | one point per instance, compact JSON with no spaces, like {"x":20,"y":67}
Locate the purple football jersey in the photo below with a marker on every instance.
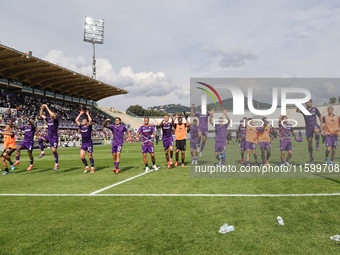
{"x":310,"y":120}
{"x":220,"y":132}
{"x":29,"y":134}
{"x":285,"y":132}
{"x":118,"y":133}
{"x":242,"y":131}
{"x":86,"y":134}
{"x":203,"y":120}
{"x":194,"y":134}
{"x":52,"y":127}
{"x":146,"y":132}
{"x":166,"y":127}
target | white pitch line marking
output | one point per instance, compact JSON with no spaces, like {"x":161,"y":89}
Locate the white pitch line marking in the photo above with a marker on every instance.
{"x":173,"y":195}
{"x":118,"y":183}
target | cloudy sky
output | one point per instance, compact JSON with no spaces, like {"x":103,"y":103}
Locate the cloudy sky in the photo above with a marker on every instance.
{"x":152,"y":48}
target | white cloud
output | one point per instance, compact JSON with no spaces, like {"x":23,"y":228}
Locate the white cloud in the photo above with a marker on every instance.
{"x":231,"y":57}
{"x":140,"y":84}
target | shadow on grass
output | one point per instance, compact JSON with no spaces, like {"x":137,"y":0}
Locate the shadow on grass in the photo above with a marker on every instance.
{"x":330,"y":176}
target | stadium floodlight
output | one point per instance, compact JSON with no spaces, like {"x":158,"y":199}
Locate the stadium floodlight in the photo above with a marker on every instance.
{"x":94,"y":33}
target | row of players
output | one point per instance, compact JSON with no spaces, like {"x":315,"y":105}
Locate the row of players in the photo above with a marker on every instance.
{"x":146,"y":131}
{"x":250,"y":135}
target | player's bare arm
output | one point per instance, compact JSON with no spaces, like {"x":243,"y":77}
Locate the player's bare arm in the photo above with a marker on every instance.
{"x":187,"y":124}
{"x":106,"y":123}
{"x":293,"y":133}
{"x":52,"y":114}
{"x":78,"y":117}
{"x":225,"y":113}
{"x":137,"y":137}
{"x":129,"y":135}
{"x":298,"y":110}
{"x":211,"y":116}
{"x":42,"y":115}
{"x":7,"y":133}
{"x":192,"y":110}
{"x":89,"y":117}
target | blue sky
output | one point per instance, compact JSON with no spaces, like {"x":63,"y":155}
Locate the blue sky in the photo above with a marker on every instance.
{"x":153,"y":48}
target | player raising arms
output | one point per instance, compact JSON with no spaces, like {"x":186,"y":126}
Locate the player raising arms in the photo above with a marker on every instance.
{"x":202,"y":127}
{"x":118,"y":131}
{"x":181,"y":136}
{"x":331,"y":129}
{"x":264,"y":141}
{"x":194,"y":142}
{"x":86,"y":131}
{"x":167,"y":139}
{"x":147,"y":144}
{"x":9,"y":147}
{"x":52,"y":134}
{"x":312,"y":127}
{"x":285,"y":142}
{"x":220,"y":136}
{"x":242,"y":129}
{"x":27,"y":143}
{"x":251,"y":140}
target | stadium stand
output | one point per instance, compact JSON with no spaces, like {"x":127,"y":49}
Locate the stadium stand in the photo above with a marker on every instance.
{"x":27,"y":82}
{"x":133,"y":122}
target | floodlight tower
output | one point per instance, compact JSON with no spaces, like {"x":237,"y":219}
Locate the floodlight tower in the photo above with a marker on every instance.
{"x":94,"y":33}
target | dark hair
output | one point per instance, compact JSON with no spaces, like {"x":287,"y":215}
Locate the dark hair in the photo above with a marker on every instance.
{"x":284,"y":116}
{"x":118,"y":118}
{"x":195,"y":120}
{"x":146,"y":118}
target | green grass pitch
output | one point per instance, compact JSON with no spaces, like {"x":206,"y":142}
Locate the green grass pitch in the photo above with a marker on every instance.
{"x":158,"y":224}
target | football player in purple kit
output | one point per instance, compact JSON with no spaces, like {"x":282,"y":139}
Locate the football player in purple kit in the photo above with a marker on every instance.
{"x":202,"y":127}
{"x":86,"y":131}
{"x":242,"y":130}
{"x":194,"y":142}
{"x":27,"y":143}
{"x":147,"y":144}
{"x":118,"y":131}
{"x":220,"y":136}
{"x":167,"y":138}
{"x":285,"y":142}
{"x":312,"y":127}
{"x":52,"y":134}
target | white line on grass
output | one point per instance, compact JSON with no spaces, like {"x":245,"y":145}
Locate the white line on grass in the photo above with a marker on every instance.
{"x":116,"y":184}
{"x":172,"y":195}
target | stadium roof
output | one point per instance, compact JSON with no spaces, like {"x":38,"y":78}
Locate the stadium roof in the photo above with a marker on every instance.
{"x":37,"y":73}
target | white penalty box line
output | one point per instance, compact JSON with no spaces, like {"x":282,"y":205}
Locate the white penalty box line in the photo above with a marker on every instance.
{"x":172,"y":195}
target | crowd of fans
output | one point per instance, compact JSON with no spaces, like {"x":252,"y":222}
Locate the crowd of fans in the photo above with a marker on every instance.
{"x":17,"y":106}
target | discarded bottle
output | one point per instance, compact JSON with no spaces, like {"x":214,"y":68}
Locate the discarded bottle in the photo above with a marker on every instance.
{"x":225,"y":228}
{"x":280,"y":220}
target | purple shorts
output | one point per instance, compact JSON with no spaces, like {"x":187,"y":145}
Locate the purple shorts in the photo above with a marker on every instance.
{"x":310,"y":131}
{"x":331,"y":141}
{"x":52,"y":141}
{"x":243,"y":145}
{"x":286,"y":146}
{"x":204,"y":131}
{"x":28,"y":146}
{"x":87,"y":147}
{"x":116,"y":147}
{"x":167,"y":144}
{"x":147,"y":148}
{"x":220,"y":146}
{"x":264,"y":145}
{"x":193,"y":145}
{"x":250,"y":146}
